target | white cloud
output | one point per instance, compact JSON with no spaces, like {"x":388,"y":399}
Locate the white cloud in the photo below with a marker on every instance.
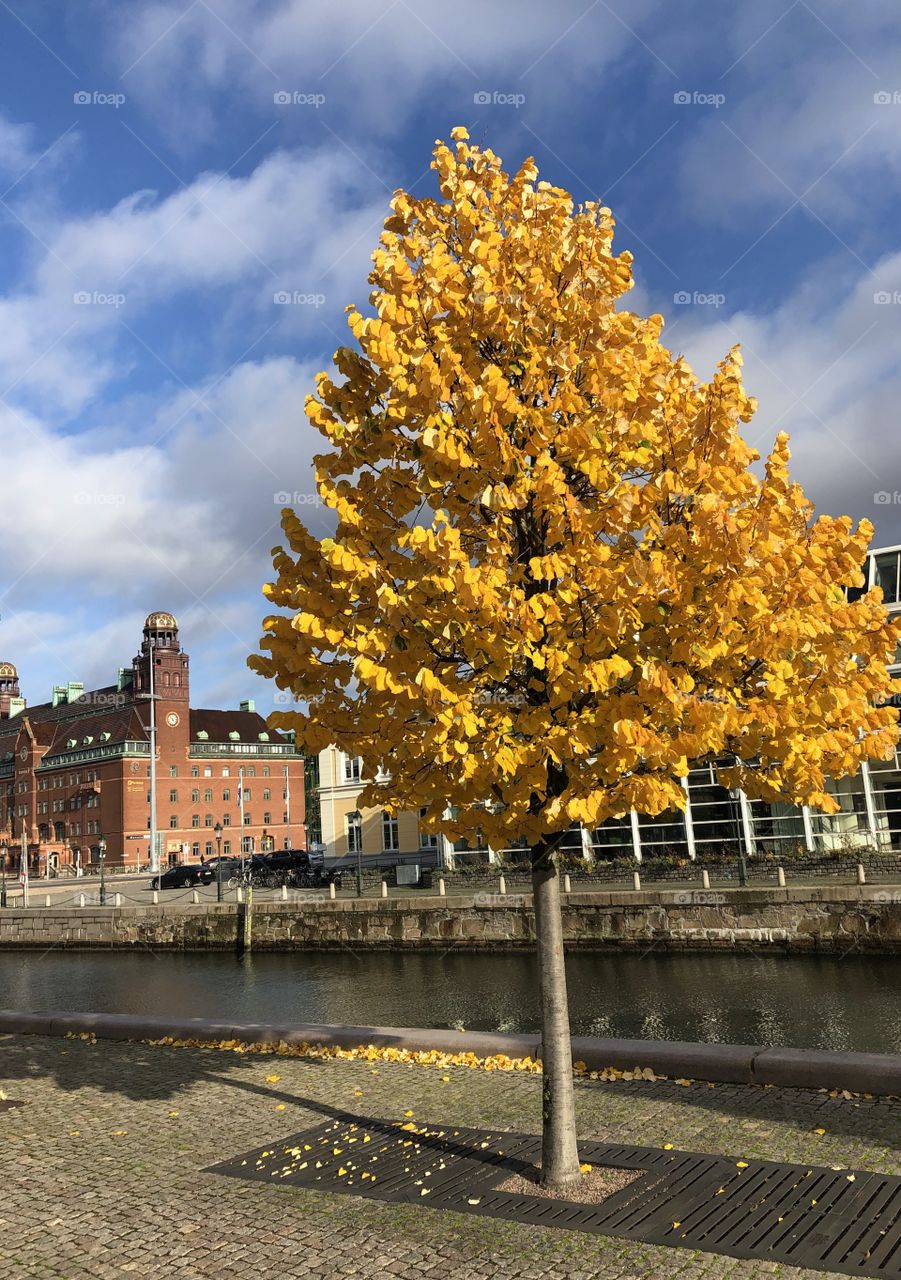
{"x":371,"y":62}
{"x":300,"y":223}
{"x":824,"y":366}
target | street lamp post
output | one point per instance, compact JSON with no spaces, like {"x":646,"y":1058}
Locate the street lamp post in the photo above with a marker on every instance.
{"x":4,"y":850}
{"x":353,"y":819}
{"x":101,"y":848}
{"x":217,"y":831}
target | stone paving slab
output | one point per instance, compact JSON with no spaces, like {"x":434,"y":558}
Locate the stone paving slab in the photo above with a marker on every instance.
{"x":103,"y":1167}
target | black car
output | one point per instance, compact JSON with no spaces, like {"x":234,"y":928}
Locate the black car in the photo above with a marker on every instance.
{"x":186,"y":876}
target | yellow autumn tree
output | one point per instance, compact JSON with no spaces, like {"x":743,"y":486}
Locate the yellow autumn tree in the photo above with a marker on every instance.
{"x":555,"y":578}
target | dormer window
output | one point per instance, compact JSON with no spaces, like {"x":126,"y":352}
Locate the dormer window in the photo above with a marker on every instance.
{"x":263,"y":737}
{"x":235,"y":736}
{"x":202,"y":735}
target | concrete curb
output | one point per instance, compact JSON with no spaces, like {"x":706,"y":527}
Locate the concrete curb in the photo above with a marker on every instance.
{"x":875,"y":1073}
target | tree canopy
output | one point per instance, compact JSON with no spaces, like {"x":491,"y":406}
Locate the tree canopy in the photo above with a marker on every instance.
{"x":556,"y":576}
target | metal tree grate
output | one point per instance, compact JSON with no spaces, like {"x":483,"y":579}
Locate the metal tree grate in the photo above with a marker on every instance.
{"x":823,"y":1219}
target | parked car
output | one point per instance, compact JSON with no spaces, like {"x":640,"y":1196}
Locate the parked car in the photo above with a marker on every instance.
{"x":186,"y":876}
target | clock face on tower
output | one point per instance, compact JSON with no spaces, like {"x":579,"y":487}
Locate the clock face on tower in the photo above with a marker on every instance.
{"x":172,"y":718}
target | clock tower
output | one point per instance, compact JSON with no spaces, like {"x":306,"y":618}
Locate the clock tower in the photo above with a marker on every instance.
{"x":170,"y":668}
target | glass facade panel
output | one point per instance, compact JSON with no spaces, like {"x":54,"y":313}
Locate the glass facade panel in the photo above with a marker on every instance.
{"x":887,"y":575}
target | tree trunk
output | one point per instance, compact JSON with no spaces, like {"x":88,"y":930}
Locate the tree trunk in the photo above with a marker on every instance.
{"x":559,"y":1150}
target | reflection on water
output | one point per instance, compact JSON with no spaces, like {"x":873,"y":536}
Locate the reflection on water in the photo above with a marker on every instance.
{"x":848,"y":1003}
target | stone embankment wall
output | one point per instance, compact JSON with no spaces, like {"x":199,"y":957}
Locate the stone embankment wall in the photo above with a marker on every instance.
{"x":836,"y":919}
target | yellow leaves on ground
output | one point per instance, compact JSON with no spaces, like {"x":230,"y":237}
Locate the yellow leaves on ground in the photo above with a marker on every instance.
{"x":551,"y":545}
{"x":273,"y":1079}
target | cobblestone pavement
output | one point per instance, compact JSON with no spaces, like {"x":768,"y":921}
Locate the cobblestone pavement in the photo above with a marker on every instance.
{"x":102,"y":1166}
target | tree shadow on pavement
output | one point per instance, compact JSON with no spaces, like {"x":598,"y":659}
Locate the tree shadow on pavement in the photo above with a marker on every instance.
{"x":868,"y":1120}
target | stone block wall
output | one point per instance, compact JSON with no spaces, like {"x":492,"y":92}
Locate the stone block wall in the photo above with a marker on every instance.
{"x":833,"y":918}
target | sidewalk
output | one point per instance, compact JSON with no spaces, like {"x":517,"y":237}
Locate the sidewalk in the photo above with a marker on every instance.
{"x":103,"y":1165}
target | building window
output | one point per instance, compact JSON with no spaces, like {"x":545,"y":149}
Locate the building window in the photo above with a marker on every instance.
{"x":352,"y":768}
{"x":208,"y":820}
{"x":248,"y":821}
{"x":195,"y":819}
{"x":251,"y":771}
{"x":208,"y":795}
{"x":207,"y":771}
{"x":426,"y":840}
{"x":247,"y":844}
{"x":887,"y":576}
{"x":226,"y":819}
{"x":265,"y":771}
{"x":173,"y":822}
{"x":389,"y":832}
{"x":266,"y":795}
{"x":195,"y":772}
{"x":285,"y":820}
{"x":226,"y":847}
{"x":226,"y":793}
{"x":195,"y":796}
{"x":225,"y":772}
{"x":247,"y":793}
{"x":354,"y":829}
{"x":173,"y":797}
{"x":208,"y":848}
{"x":267,"y":819}
{"x":195,"y":851}
{"x":173,"y":770}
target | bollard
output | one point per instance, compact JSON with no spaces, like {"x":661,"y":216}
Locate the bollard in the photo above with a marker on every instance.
{"x":441,"y":889}
{"x":240,"y":893}
{"x":284,"y":893}
{"x":156,"y":898}
{"x":331,"y":888}
{"x":195,"y":896}
{"x":501,"y":885}
{"x":384,"y":889}
{"x":705,"y":879}
{"x":117,"y":900}
{"x":780,"y":877}
{"x":47,"y":900}
{"x":636,"y":881}
{"x":245,"y":924}
{"x":567,"y":884}
{"x":81,"y":899}
{"x":861,"y":874}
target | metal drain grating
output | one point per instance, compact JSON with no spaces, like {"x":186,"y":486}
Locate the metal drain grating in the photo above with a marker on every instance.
{"x":822,"y":1219}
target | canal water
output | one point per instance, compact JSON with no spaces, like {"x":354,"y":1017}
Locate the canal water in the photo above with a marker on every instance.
{"x":850,"y":1003}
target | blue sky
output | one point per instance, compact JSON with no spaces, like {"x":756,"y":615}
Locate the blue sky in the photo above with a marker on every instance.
{"x":169,"y":169}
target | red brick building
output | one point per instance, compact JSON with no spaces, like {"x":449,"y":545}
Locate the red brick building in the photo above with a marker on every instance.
{"x":78,"y":767}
